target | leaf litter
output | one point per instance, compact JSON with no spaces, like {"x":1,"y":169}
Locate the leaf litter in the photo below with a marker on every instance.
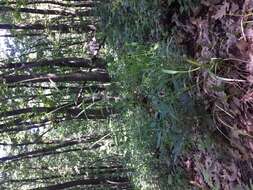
{"x":221,"y":31}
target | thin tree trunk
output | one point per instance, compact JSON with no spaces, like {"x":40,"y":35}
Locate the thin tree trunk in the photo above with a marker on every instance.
{"x":23,"y":128}
{"x":89,"y":181}
{"x":59,"y":3}
{"x":61,"y":62}
{"x":63,"y":28}
{"x":91,"y":88}
{"x":71,"y":77}
{"x":43,"y":151}
{"x":18,"y":157}
{"x":46,"y":11}
{"x":52,"y":178}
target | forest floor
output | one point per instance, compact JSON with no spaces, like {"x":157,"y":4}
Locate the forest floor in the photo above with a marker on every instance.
{"x":185,"y":74}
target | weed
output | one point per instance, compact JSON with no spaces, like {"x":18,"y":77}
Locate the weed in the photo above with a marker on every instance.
{"x":153,"y":130}
{"x":157,"y":113}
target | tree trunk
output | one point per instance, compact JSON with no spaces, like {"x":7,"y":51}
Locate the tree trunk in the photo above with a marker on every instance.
{"x":61,"y":62}
{"x":71,"y":77}
{"x":58,"y":3}
{"x":46,"y":151}
{"x":72,"y":89}
{"x":46,"y":11}
{"x":63,"y":28}
{"x":30,"y":156}
{"x":115,"y":181}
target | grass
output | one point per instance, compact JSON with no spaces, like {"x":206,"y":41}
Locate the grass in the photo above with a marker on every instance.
{"x":153,"y":130}
{"x":158,"y":109}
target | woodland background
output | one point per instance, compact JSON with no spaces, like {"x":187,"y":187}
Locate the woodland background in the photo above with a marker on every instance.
{"x":126,"y":94}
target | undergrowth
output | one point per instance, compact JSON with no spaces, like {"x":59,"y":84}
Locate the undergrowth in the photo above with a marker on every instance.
{"x":157,"y":114}
{"x":158,"y":110}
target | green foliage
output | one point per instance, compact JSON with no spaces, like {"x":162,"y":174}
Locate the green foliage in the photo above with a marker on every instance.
{"x":136,"y":20}
{"x":128,"y":21}
{"x":47,"y":129}
{"x":158,"y":126}
{"x":153,"y":80}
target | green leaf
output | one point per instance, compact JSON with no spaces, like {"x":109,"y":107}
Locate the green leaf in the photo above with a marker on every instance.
{"x":173,"y":72}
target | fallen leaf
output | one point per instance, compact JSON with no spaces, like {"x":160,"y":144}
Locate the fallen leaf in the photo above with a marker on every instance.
{"x":222,"y":11}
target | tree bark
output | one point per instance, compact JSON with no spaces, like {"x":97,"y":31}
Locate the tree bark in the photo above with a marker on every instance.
{"x":21,"y":157}
{"x":44,"y":151}
{"x":71,"y":77}
{"x":45,"y":11}
{"x":63,"y":28}
{"x":91,"y":88}
{"x":70,"y":114}
{"x":61,"y":62}
{"x":88,"y":181}
{"x":58,"y":3}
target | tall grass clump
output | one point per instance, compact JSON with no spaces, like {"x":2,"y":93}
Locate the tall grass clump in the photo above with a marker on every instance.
{"x":153,"y":129}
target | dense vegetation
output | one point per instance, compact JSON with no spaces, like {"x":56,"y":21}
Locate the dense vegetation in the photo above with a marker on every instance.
{"x":126,"y":94}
